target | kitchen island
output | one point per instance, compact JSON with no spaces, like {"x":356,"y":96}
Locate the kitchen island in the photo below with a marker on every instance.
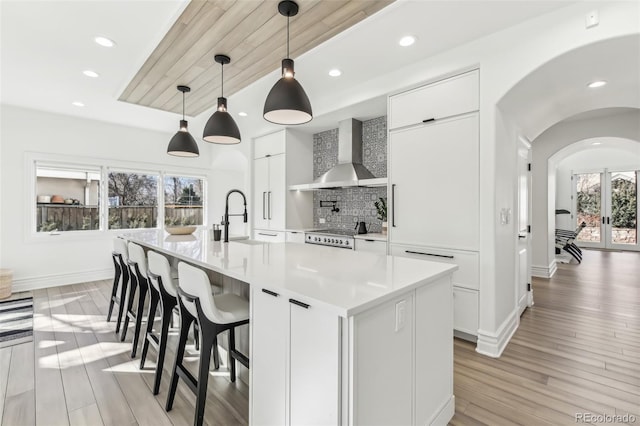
{"x":337,"y":336}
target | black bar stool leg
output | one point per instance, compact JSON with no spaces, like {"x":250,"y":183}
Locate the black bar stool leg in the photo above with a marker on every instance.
{"x":142,"y":295}
{"x":153,"y":305}
{"x":116,"y":281}
{"x":232,"y":361}
{"x":123,"y":295}
{"x":196,"y":335}
{"x":129,"y":311}
{"x":167,"y":314}
{"x":185,"y":324}
{"x":216,"y":354}
{"x":203,"y":375}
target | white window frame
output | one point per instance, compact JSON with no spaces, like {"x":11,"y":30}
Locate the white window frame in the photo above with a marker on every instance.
{"x":204,"y":192}
{"x":33,"y":160}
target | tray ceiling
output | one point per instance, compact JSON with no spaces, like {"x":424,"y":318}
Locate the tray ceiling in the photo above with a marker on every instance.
{"x":252,"y":33}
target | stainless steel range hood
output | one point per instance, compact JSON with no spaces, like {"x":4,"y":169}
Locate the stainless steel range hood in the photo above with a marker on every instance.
{"x":349,"y":171}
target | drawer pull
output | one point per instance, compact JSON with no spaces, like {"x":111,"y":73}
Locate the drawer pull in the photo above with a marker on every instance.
{"x":428,"y":120}
{"x":369,"y":240}
{"x":429,"y":254}
{"x":270,"y":293}
{"x":296,"y":302}
{"x":293,"y":232}
{"x":267,"y":235}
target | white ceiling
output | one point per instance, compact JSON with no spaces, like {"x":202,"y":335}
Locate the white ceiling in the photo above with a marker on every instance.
{"x":558,"y":90}
{"x":47,"y":44}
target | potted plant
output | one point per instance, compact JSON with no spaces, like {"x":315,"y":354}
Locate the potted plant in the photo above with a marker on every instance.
{"x":381,"y":207}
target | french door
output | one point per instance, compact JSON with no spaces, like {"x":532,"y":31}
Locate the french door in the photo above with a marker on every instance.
{"x":606,"y":202}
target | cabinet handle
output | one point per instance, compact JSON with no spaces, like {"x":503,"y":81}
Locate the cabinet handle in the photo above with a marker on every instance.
{"x":268,"y":235}
{"x":428,"y":120}
{"x":369,"y":240}
{"x":264,"y":215}
{"x":603,"y":220}
{"x":522,"y":236}
{"x":293,"y":232}
{"x":270,"y":293}
{"x":296,"y":302}
{"x":393,"y":205}
{"x":429,"y":254}
{"x":269,"y":199}
{"x":608,"y":220}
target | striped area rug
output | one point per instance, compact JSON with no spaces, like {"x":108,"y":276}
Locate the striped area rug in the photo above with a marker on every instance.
{"x":16,"y":321}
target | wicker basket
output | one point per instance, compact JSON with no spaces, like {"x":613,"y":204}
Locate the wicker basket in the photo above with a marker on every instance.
{"x":6,"y":276}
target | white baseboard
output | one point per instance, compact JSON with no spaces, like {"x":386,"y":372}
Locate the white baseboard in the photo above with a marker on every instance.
{"x":446,"y":413}
{"x":492,"y":344}
{"x":45,"y":281}
{"x":544,"y":271}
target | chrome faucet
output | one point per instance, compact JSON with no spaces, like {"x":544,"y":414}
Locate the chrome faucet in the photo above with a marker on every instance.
{"x":226,"y":213}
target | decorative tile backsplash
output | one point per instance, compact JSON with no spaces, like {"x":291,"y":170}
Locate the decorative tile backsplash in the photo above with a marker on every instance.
{"x":355,"y":204}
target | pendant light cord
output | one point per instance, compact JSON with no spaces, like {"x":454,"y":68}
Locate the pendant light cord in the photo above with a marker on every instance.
{"x":222,"y":77}
{"x":182,"y":106}
{"x":288,"y":17}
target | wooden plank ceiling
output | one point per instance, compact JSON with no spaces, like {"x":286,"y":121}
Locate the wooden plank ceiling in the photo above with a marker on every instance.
{"x":251,"y":32}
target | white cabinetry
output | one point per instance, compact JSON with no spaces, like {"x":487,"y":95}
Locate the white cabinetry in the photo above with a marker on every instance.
{"x":295,"y":237}
{"x":269,"y":236}
{"x":434,"y":170}
{"x":281,"y":159}
{"x":373,"y":246}
{"x":311,"y":366}
{"x":296,"y":365}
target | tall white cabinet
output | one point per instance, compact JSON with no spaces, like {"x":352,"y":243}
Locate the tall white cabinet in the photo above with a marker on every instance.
{"x":281,"y":159}
{"x":434,"y":183}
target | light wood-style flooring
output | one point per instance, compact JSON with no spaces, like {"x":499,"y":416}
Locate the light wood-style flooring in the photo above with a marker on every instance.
{"x":577,"y":350}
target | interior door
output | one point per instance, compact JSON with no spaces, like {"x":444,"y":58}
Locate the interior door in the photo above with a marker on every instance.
{"x":621,"y":210}
{"x":260,"y":192}
{"x":589,"y":209}
{"x":523,"y":248}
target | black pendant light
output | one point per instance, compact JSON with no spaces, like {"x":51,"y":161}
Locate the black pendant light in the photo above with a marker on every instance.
{"x":182,"y":144}
{"x":221,"y":128}
{"x":287,"y":103}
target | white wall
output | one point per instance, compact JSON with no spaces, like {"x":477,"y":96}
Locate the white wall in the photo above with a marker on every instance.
{"x":65,"y":259}
{"x":600,"y":157}
{"x":547,"y":151}
{"x":504,"y":58}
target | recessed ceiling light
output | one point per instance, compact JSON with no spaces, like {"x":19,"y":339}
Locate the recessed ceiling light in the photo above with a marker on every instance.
{"x":597,"y":83}
{"x":407,"y":41}
{"x":597,"y":143}
{"x":91,"y":74}
{"x":105,"y":42}
{"x":335,"y":72}
{"x":77,"y":103}
{"x":242,"y":114}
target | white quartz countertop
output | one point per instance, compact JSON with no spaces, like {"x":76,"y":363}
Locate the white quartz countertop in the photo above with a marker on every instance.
{"x":372,"y":236}
{"x":344,"y":281}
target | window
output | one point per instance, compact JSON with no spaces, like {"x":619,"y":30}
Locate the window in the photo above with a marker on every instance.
{"x":67,"y":198}
{"x":183,"y":200}
{"x":133,"y":200}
